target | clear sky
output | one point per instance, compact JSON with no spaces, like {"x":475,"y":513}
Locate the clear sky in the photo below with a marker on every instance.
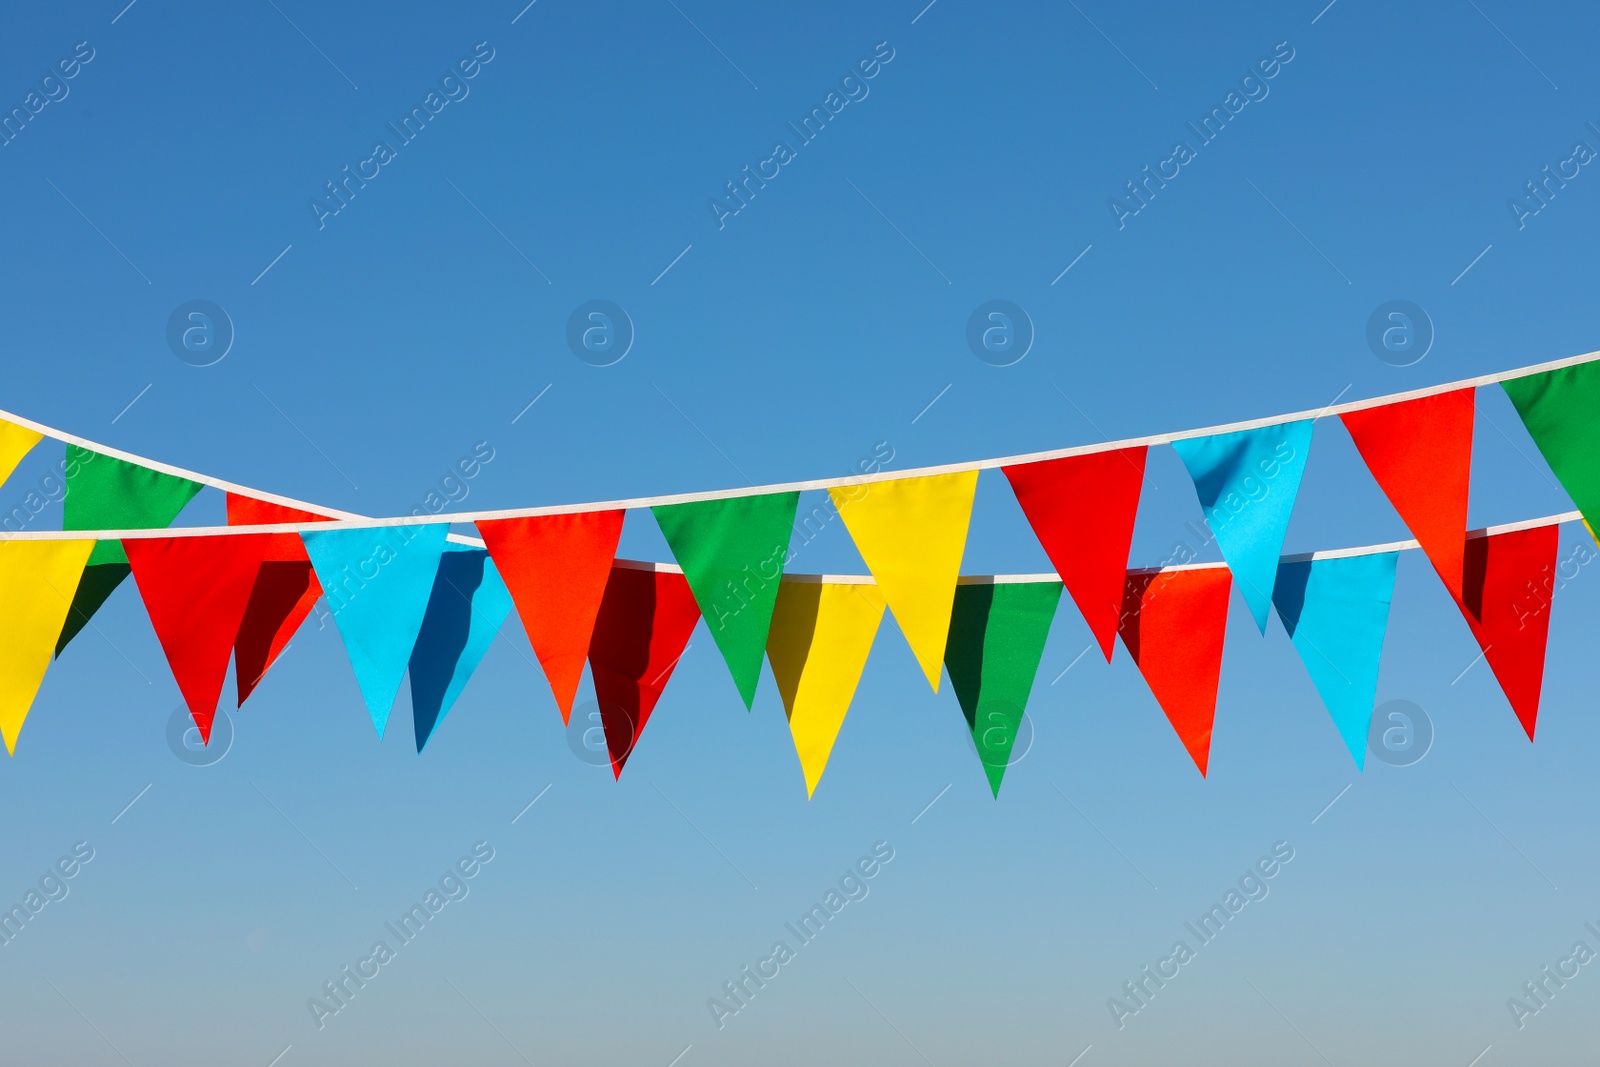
{"x":376,"y":345}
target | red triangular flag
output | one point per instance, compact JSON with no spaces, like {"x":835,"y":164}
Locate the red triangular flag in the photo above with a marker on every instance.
{"x":249,"y":511}
{"x":195,"y":590}
{"x":1173,"y":625}
{"x":556,"y":567}
{"x":1509,"y":580}
{"x":1420,"y":452}
{"x":644,"y":623}
{"x":285,"y":590}
{"x":1082,"y":509}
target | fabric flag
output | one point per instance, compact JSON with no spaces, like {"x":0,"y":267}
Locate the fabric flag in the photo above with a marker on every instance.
{"x":195,"y":590}
{"x":1336,"y":612}
{"x":15,"y":443}
{"x":1247,"y":483}
{"x":911,"y":532}
{"x":1082,"y":509}
{"x":1509,"y":581}
{"x":105,"y":493}
{"x":642,"y":630}
{"x":1173,"y":625}
{"x":468,"y":605}
{"x":732,"y":552}
{"x":285,"y":591}
{"x":1558,"y":407}
{"x":37,"y":582}
{"x":997,"y":635}
{"x":818,"y":645}
{"x":1420,"y":453}
{"x":378,"y":581}
{"x":556,"y":567}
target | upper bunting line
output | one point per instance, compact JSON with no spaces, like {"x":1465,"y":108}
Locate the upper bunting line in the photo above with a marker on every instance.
{"x":193,"y":476}
{"x":345,"y":519}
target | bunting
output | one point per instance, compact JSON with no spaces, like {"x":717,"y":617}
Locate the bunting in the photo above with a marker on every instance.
{"x":1420,"y":453}
{"x":285,"y":590}
{"x":997,"y":636}
{"x":1558,"y":408}
{"x":403,"y":603}
{"x":1247,"y":483}
{"x":1337,"y":612}
{"x":641,"y":632}
{"x":106,"y":493}
{"x":1173,"y":625}
{"x":15,"y":443}
{"x":378,"y":582}
{"x":556,"y":567}
{"x":912,"y":532}
{"x":1509,"y":581}
{"x":195,"y":590}
{"x":467,"y":607}
{"x":821,"y":635}
{"x":37,"y":582}
{"x":732,"y":552}
{"x":1082,"y":509}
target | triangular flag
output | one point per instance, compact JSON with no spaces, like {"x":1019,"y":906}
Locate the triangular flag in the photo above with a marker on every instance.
{"x":1420,"y":453}
{"x":821,"y":634}
{"x":1336,"y":612}
{"x":466,"y":609}
{"x":378,"y":581}
{"x":1174,"y":624}
{"x":37,"y":581}
{"x":1082,"y":509}
{"x":285,"y":591}
{"x":1247,"y":482}
{"x":106,"y":493}
{"x":1509,"y":581}
{"x":997,"y":636}
{"x":640,"y":633}
{"x":15,"y":443}
{"x":1558,"y":407}
{"x":196,"y":589}
{"x":99,"y":581}
{"x":732,"y":552}
{"x":556,"y":567}
{"x":911,"y":532}
{"x":252,"y":511}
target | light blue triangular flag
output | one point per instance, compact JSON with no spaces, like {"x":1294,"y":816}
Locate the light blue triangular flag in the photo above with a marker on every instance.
{"x":1247,"y":482}
{"x":1336,"y":612}
{"x":377,"y":582}
{"x":467,"y":607}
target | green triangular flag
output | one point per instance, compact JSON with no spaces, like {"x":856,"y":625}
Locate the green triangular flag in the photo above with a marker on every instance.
{"x":1558,"y":407}
{"x":997,"y":635}
{"x":732,"y":552}
{"x":99,"y":581}
{"x":104,"y":493}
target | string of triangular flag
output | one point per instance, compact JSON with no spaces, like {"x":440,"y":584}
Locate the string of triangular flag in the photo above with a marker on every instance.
{"x":408,"y":598}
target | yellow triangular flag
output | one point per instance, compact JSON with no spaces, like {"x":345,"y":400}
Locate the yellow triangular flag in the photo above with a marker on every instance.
{"x":15,"y":442}
{"x":911,"y":532}
{"x":37,"y":581}
{"x":817,"y":645}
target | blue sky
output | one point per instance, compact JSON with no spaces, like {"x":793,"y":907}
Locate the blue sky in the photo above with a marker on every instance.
{"x":375,"y":347}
